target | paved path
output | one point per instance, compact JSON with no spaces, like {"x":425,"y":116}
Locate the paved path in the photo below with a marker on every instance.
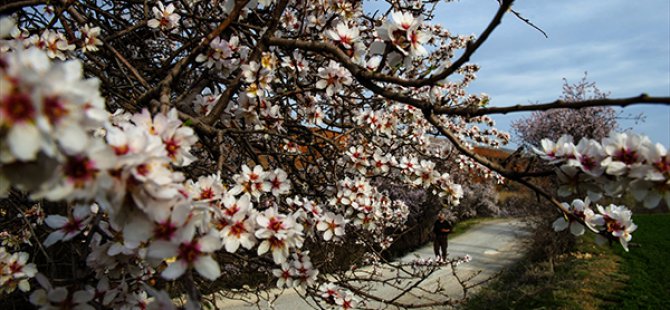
{"x":492,"y":245}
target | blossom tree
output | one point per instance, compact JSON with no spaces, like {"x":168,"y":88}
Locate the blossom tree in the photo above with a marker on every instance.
{"x":144,"y":145}
{"x":591,"y":122}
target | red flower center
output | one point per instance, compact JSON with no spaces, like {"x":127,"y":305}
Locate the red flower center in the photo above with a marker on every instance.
{"x":17,"y":107}
{"x":15,"y":267}
{"x":206,"y":193}
{"x":588,"y":163}
{"x":165,"y":230}
{"x":72,"y":226}
{"x":276,"y":243}
{"x":121,"y":150}
{"x":627,"y":156}
{"x":237,"y":229}
{"x":54,"y":109}
{"x":79,"y":170}
{"x":171,"y":146}
{"x":189,"y":251}
{"x":143,"y":169}
{"x":275,"y":225}
{"x":275,"y":183}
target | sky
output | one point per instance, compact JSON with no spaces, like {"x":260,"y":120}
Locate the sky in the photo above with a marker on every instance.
{"x":623,"y":45}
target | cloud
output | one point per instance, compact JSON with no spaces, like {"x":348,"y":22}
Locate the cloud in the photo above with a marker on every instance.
{"x":624,"y":45}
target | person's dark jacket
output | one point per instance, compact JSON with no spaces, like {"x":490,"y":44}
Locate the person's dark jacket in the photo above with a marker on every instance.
{"x":438,"y":226}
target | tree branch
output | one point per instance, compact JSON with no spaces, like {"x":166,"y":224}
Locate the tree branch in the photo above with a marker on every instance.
{"x":558,"y":104}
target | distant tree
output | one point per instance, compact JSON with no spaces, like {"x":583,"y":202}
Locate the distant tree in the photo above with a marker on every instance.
{"x":591,"y":122}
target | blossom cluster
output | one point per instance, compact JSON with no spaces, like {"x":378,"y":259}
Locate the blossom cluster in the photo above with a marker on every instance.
{"x":339,"y":297}
{"x":15,"y":271}
{"x":143,"y":217}
{"x":612,"y":221}
{"x":47,"y":113}
{"x":618,"y":162}
{"x":366,"y":208}
{"x":416,"y":173}
{"x":298,"y":272}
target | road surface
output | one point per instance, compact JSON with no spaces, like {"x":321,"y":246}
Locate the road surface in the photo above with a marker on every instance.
{"x":492,"y":246}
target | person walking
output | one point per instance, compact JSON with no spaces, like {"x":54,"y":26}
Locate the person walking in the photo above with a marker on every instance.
{"x":441,"y":230}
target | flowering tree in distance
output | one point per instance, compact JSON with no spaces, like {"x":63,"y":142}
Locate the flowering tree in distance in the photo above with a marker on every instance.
{"x":592,"y":122}
{"x":147,"y":144}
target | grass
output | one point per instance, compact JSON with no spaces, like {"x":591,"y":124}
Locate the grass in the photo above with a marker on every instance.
{"x":591,"y":276}
{"x":648,"y":266}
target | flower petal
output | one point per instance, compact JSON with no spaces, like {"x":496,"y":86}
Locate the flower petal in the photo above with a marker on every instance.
{"x":162,"y":249}
{"x":56,"y":221}
{"x":174,"y":270}
{"x":209,"y":244}
{"x":576,"y":228}
{"x":207,"y":267}
{"x":24,"y":141}
{"x":560,"y":224}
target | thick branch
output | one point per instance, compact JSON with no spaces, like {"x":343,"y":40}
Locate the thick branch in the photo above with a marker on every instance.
{"x":365,"y":74}
{"x":558,"y":104}
{"x":12,"y":6}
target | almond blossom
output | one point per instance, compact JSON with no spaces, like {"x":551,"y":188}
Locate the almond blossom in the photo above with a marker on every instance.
{"x":251,"y":181}
{"x":554,"y":152}
{"x":258,"y":77}
{"x":83,"y":175}
{"x":617,"y":221}
{"x":15,"y":271}
{"x":45,"y":105}
{"x":203,"y":104}
{"x":279,"y":184}
{"x":581,"y":210}
{"x":278,"y":233}
{"x":346,"y":300}
{"x":403,"y":31}
{"x":239,"y":231}
{"x":651,"y":193}
{"x":208,"y":189}
{"x":67,"y":227}
{"x":164,"y":17}
{"x":381,"y":163}
{"x":219,"y":51}
{"x":237,"y":223}
{"x":304,"y":272}
{"x":657,"y":166}
{"x":333,"y":78}
{"x":177,"y":139}
{"x":103,"y":293}
{"x":190,"y":251}
{"x":89,"y":36}
{"x":627,"y":160}
{"x":344,"y":35}
{"x":426,"y":174}
{"x":54,"y":43}
{"x":284,"y":275}
{"x":588,"y":156}
{"x":332,"y":225}
{"x":49,"y":297}
{"x":623,"y":152}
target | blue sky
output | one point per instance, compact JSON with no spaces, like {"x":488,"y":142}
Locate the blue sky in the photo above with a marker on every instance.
{"x":624,"y":45}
